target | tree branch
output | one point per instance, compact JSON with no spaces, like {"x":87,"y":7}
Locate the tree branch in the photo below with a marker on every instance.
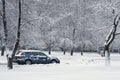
{"x":29,"y":21}
{"x":1,"y":14}
{"x":117,"y":33}
{"x":115,"y":19}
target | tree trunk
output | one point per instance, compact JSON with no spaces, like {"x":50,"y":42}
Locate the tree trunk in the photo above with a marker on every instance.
{"x":73,"y":35}
{"x":2,"y":50}
{"x":81,"y":52}
{"x":107,"y":56}
{"x":82,"y":49}
{"x":10,"y":64}
{"x":72,"y":51}
{"x":4,"y":46}
{"x":64,"y":52}
{"x":10,"y":58}
{"x":49,"y":50}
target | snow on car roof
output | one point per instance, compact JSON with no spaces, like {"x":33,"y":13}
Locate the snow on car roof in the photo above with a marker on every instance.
{"x":29,"y":50}
{"x":19,"y":52}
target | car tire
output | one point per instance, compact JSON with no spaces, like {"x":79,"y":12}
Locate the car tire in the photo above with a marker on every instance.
{"x":19,"y":64}
{"x":28,"y":62}
{"x":53,"y":61}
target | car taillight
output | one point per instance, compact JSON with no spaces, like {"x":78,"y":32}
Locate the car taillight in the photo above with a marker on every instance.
{"x":20,"y":57}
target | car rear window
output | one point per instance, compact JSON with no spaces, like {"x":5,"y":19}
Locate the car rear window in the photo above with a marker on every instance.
{"x":18,"y":52}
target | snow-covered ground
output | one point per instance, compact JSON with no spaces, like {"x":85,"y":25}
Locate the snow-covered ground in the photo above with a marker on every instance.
{"x":88,"y":67}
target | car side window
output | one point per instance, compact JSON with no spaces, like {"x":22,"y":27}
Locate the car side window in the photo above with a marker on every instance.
{"x":27,"y":53}
{"x":42,"y":54}
{"x":35,"y":53}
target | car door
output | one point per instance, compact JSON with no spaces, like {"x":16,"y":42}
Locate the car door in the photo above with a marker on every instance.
{"x":35,"y":57}
{"x":42,"y":58}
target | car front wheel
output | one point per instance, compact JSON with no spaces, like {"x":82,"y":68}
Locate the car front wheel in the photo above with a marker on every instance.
{"x":53,"y":61}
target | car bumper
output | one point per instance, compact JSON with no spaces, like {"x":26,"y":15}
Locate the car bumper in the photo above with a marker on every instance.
{"x":18,"y":61}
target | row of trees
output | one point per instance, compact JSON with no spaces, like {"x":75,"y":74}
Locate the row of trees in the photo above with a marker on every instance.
{"x":60,"y":19}
{"x":59,"y":25}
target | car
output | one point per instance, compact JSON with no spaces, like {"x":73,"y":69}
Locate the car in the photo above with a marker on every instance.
{"x":34,"y":57}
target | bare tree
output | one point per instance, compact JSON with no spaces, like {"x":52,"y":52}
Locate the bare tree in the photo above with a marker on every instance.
{"x":110,"y":38}
{"x":73,"y":41}
{"x":4,"y":44}
{"x":82,"y":46}
{"x":64,"y":44}
{"x":50,"y":42}
{"x":10,"y":58}
{"x":64,"y":47}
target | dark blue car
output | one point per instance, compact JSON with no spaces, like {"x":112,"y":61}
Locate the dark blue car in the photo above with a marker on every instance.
{"x":34,"y":57}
